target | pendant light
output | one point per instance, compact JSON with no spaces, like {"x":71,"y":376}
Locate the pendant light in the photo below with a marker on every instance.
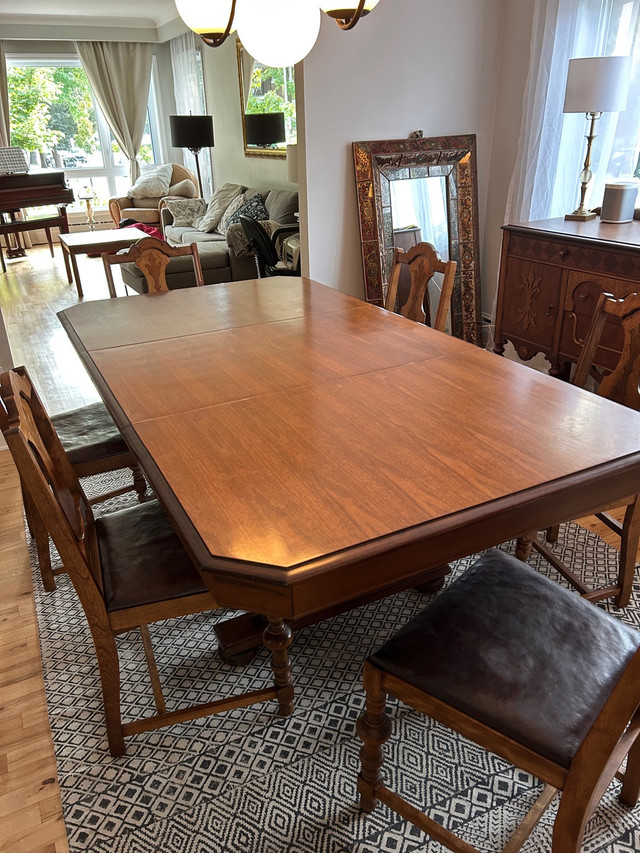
{"x":211,"y":20}
{"x":348,"y":13}
{"x":278,"y":33}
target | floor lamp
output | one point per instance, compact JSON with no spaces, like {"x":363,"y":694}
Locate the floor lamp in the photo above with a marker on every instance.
{"x":595,"y":85}
{"x":194,"y":133}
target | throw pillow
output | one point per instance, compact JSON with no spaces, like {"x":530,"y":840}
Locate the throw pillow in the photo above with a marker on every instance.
{"x":153,"y":184}
{"x":186,"y":188}
{"x":185,"y":211}
{"x":220,"y":200}
{"x":254,"y":209}
{"x":236,"y":204}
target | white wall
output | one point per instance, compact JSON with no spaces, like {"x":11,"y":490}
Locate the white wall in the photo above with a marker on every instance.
{"x":408,"y":65}
{"x":514,"y":66}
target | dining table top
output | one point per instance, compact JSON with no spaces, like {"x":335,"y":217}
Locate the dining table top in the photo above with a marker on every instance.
{"x":298,"y":437}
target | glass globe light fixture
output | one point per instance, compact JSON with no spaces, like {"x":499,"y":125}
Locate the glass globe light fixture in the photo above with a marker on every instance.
{"x":348,"y":13}
{"x":211,"y":20}
{"x":278,"y":33}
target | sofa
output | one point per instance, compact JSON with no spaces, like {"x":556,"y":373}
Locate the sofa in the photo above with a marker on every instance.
{"x":174,"y":181}
{"x":225,"y":254}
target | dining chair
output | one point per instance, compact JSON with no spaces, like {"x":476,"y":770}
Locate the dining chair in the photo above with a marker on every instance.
{"x":128,"y":567}
{"x":527,"y":670}
{"x":268,"y":262}
{"x":93,"y":445}
{"x":151,"y":257}
{"x":621,"y":386}
{"x":422,"y":262}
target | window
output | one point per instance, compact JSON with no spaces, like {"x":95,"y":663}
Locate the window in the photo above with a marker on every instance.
{"x":55,"y":118}
{"x":603,"y":28}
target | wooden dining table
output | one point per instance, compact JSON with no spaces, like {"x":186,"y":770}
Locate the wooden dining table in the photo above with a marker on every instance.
{"x":315,"y":452}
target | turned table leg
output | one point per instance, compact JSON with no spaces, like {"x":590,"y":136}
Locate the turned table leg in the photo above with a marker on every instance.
{"x":524,"y":545}
{"x":277,"y":638}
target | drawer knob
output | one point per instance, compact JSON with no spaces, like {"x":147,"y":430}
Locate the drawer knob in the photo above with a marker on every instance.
{"x":550,"y":310}
{"x":562,"y":252}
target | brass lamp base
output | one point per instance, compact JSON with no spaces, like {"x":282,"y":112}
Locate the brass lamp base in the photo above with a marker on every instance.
{"x":580,"y":216}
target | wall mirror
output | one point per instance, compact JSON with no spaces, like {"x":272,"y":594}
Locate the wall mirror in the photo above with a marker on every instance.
{"x":432,"y":181}
{"x":266,"y":90}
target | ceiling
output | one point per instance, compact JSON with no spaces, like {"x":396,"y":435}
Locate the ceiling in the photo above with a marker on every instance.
{"x":115,"y":13}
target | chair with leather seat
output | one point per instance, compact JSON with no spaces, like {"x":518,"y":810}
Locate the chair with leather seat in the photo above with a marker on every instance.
{"x":422,"y":262}
{"x":527,"y":670}
{"x":93,"y":445}
{"x":128,"y":567}
{"x":268,"y":262}
{"x":151,"y":257}
{"x":621,"y":386}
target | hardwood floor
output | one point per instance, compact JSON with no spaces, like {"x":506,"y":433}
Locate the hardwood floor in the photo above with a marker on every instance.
{"x":31,"y":293}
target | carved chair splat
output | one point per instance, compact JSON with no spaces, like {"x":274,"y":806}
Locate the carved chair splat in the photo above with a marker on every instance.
{"x":151,"y":256}
{"x":422,"y":261}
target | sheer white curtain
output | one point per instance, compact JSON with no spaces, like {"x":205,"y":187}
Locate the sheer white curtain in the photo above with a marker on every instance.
{"x":552,"y":148}
{"x":120,"y":76}
{"x":4,"y":101}
{"x":188,"y":87}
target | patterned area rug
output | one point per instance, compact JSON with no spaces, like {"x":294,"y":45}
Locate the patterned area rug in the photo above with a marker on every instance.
{"x":250,"y":781}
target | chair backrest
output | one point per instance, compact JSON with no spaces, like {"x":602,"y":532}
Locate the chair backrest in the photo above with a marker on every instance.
{"x":621,"y":385}
{"x":259,"y":241}
{"x":50,"y":481}
{"x":422,"y":262}
{"x":151,"y":256}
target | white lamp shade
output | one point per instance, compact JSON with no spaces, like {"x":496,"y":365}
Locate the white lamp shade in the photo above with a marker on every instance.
{"x":597,"y":84}
{"x":278,"y":33}
{"x":292,"y":163}
{"x":205,"y":18}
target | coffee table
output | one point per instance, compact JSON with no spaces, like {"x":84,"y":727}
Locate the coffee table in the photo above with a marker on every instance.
{"x":85,"y":242}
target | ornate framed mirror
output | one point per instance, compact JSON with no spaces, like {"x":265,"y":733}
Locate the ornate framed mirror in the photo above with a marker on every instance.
{"x":442,"y":170}
{"x":265,"y":91}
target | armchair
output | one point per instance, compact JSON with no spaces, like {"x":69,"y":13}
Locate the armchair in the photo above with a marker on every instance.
{"x":183,"y":185}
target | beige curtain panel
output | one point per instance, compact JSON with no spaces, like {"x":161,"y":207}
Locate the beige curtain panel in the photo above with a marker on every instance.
{"x":120,"y":75}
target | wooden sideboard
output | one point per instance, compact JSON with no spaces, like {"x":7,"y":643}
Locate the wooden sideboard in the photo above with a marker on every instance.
{"x":551,"y":274}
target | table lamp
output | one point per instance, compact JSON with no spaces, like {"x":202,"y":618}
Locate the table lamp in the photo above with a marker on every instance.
{"x":194,"y":133}
{"x":595,"y":85}
{"x":264,"y":129}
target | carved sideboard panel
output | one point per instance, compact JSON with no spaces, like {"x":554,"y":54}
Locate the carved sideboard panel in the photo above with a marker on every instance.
{"x":551,"y":274}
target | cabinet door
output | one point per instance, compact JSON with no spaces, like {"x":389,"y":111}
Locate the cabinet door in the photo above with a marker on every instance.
{"x":583,"y":291}
{"x":531,"y":305}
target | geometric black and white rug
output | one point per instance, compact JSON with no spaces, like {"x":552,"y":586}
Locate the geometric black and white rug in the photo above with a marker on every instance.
{"x":248,"y":781}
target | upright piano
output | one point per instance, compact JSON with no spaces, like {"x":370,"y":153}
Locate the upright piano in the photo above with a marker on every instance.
{"x":32,"y":189}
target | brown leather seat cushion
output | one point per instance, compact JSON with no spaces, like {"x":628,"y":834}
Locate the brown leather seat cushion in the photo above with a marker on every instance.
{"x":89,"y":433}
{"x":143,"y":561}
{"x":521,"y":654}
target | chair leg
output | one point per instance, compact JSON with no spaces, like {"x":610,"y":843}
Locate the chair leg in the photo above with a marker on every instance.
{"x":153,"y":669}
{"x":630,"y":791}
{"x":628,"y":551}
{"x":524,"y":545}
{"x":109,"y":667}
{"x":552,"y":533}
{"x":374,"y":728}
{"x":139,"y":482}
{"x":571,"y":819}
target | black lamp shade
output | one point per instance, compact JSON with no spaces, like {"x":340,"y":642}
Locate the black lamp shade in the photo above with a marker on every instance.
{"x":264,"y":128}
{"x":193,"y":132}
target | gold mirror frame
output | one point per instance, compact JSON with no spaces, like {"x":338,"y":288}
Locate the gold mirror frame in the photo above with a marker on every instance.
{"x":452,"y":157}
{"x":279,"y":153}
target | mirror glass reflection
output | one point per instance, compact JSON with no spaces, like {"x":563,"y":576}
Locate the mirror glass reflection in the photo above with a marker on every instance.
{"x":421,"y":190}
{"x":266,"y":90}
